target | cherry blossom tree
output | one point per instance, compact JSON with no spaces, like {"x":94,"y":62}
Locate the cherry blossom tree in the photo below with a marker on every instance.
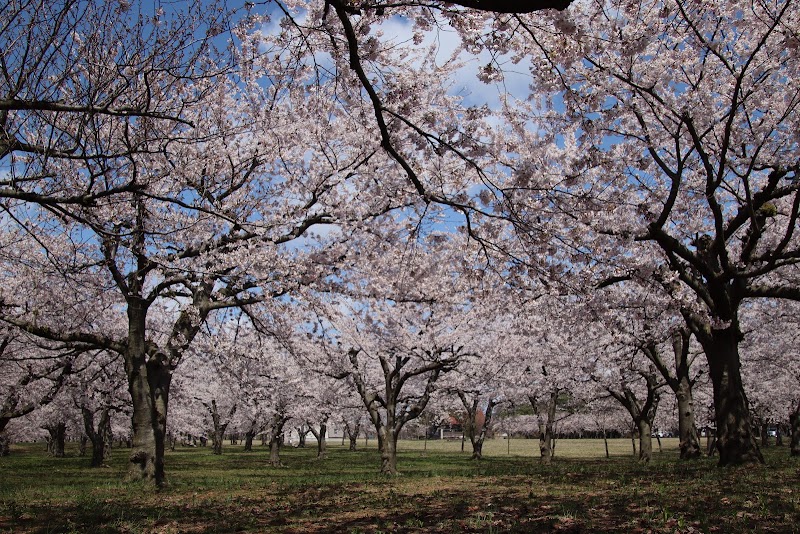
{"x":98,"y":391}
{"x":175,"y":217}
{"x":400,"y":318}
{"x":640,"y":310}
{"x":770,"y":366}
{"x":390,"y":367}
{"x":478,"y":389}
{"x":32,"y":377}
{"x":669,"y":127}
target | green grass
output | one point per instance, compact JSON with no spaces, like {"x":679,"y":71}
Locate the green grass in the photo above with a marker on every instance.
{"x":439,"y":490}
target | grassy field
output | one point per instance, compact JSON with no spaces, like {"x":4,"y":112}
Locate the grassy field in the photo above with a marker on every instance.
{"x":439,"y":490}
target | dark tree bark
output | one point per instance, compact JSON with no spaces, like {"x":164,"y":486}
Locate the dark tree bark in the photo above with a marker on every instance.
{"x":218,"y":426}
{"x":321,"y":437}
{"x":100,"y":437}
{"x":510,"y":6}
{"x":681,"y":384}
{"x":472,"y":429}
{"x":642,"y":413}
{"x":389,"y":410}
{"x":5,"y":444}
{"x":494,"y":6}
{"x":279,"y":420}
{"x":56,"y":440}
{"x":735,"y":440}
{"x":352,"y":433}
{"x":302,"y":432}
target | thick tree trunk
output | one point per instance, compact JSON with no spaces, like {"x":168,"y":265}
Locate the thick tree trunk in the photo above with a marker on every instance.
{"x":148,"y":384}
{"x":216,"y":443}
{"x":389,"y":452}
{"x":645,"y":440}
{"x":352,"y":434}
{"x":219,"y":427}
{"x":276,"y":440}
{"x":736,"y":442}
{"x":248,"y":441}
{"x":275,"y":451}
{"x":320,"y":436}
{"x":56,"y":439}
{"x":477,"y":436}
{"x":477,"y":449}
{"x":302,"y":432}
{"x":687,"y":429}
{"x":99,"y":437}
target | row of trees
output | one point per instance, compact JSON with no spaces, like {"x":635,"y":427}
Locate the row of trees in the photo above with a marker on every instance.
{"x":293,"y":178}
{"x":536,"y":372}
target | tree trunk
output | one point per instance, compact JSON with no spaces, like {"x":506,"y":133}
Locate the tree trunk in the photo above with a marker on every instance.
{"x":735,"y":441}
{"x":476,"y":435}
{"x":275,"y":451}
{"x":322,"y":451}
{"x":248,"y":441}
{"x":477,"y":449}
{"x":645,"y":440}
{"x":764,"y":435}
{"x":5,"y":444}
{"x":352,"y":434}
{"x":605,"y":442}
{"x":711,"y":442}
{"x":219,"y":427}
{"x":546,"y":430}
{"x":276,"y":440}
{"x":794,"y":422}
{"x":681,"y":385}
{"x":388,"y":446}
{"x":545,"y":415}
{"x":687,"y":429}
{"x":320,"y":437}
{"x":56,"y":440}
{"x":216,"y":443}
{"x":302,"y":432}
{"x":148,"y":384}
{"x":99,"y":437}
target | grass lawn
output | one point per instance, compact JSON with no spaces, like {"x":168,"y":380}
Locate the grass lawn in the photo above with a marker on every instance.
{"x":440,"y":490}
